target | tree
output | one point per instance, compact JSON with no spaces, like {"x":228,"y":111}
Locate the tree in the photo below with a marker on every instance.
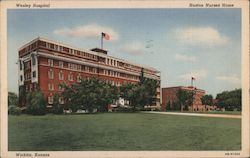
{"x":140,"y":95}
{"x":230,"y":100}
{"x":36,"y":104}
{"x":57,"y":107}
{"x":107,"y":94}
{"x":90,"y":94}
{"x":185,"y":99}
{"x":207,"y":100}
{"x":12,"y":99}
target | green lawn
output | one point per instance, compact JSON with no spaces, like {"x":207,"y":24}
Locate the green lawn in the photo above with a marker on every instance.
{"x":122,"y":131}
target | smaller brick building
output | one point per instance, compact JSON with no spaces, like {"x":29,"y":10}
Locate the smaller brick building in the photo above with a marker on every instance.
{"x":169,"y":95}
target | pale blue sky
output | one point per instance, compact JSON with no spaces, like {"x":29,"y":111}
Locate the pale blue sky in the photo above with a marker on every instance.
{"x":204,"y":43}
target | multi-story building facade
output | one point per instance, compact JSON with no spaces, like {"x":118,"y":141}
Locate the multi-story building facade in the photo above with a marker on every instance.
{"x":169,"y":96}
{"x":45,"y":64}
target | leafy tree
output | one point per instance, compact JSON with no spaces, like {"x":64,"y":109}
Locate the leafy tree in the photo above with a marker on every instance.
{"x":140,"y":95}
{"x":230,"y":100}
{"x":36,"y":104}
{"x":185,"y":99}
{"x":107,"y":94}
{"x":57,"y":107}
{"x":90,"y":94}
{"x":12,"y":99}
{"x":207,"y":100}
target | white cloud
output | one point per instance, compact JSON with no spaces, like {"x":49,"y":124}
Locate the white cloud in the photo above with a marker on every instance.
{"x":88,"y":31}
{"x":205,"y":36}
{"x":183,"y":57}
{"x":134,"y":48}
{"x":231,"y":79}
{"x":199,"y":74}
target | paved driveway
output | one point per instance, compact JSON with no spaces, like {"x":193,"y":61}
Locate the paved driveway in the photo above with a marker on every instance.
{"x":194,"y":114}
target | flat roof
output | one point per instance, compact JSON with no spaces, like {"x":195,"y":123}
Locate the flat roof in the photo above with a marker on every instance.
{"x":87,"y":51}
{"x":184,"y":87}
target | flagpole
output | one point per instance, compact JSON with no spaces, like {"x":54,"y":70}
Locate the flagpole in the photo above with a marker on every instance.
{"x":192,"y":81}
{"x":101,"y":40}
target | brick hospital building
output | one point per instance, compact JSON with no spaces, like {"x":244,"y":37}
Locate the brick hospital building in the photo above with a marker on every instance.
{"x":45,"y":64}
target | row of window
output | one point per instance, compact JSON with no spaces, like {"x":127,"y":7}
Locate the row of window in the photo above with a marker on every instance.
{"x":72,"y":66}
{"x":109,"y":61}
{"x":27,"y":76}
{"x":31,"y":87}
{"x":79,"y":77}
{"x":68,"y":50}
{"x":51,"y":87}
{"x":51,"y":100}
{"x":61,"y":75}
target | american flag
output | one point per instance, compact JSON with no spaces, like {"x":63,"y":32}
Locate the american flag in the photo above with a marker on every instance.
{"x":105,"y":36}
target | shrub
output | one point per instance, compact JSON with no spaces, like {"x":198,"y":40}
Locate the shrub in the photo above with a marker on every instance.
{"x":14,"y":110}
{"x":36,"y":104}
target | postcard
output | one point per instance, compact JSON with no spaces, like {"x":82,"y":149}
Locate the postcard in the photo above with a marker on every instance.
{"x":124,"y":78}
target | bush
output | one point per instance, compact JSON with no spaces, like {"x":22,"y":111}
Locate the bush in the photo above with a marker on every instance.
{"x":36,"y":104}
{"x":14,"y":110}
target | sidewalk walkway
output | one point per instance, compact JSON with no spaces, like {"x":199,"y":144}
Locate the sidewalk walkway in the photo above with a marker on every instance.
{"x":194,"y":114}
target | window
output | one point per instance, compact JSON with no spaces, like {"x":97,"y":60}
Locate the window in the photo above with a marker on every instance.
{"x":79,"y":67}
{"x":61,"y":100}
{"x":79,"y":78}
{"x":70,"y":77}
{"x":21,"y":65}
{"x":86,"y":68}
{"x":33,"y":59}
{"x":60,"y":75}
{"x":50,"y":99}
{"x":34,"y":74}
{"x":61,"y":64}
{"x":50,"y":62}
{"x":27,"y":65}
{"x":60,"y":87}
{"x":56,"y":47}
{"x":21,"y":78}
{"x":51,"y":86}
{"x":51,"y":74}
{"x":52,"y":46}
{"x":70,"y":51}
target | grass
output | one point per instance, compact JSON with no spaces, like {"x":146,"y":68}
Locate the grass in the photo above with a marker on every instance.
{"x":122,"y":131}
